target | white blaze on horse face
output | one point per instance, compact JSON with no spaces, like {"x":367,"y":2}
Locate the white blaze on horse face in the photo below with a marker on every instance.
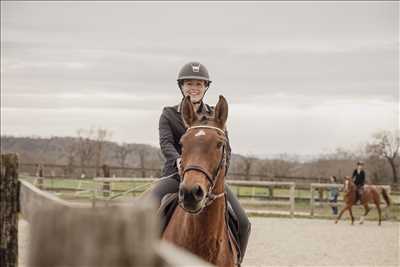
{"x":346,"y":186}
{"x":200,"y":133}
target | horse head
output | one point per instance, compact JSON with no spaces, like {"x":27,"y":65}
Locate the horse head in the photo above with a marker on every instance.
{"x":203,"y":161}
{"x":348,"y":184}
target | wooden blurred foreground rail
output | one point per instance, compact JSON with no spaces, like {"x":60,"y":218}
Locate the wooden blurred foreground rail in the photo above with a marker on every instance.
{"x":9,"y":210}
{"x":64,"y":233}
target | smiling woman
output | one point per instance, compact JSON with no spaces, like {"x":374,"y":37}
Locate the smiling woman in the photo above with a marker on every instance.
{"x":194,"y":80}
{"x":195,"y":89}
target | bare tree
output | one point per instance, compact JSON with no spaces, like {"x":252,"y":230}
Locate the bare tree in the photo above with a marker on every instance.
{"x":247,"y":163}
{"x":281,"y":166}
{"x":386,"y":145}
{"x":142,"y":153}
{"x":121,"y":154}
{"x":101,"y":138}
{"x":44,"y":149}
{"x":265,"y":167}
{"x":376,"y":167}
{"x":85,"y":147}
{"x":70,"y":152}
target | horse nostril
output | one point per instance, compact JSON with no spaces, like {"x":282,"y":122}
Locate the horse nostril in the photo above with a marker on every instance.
{"x":198,"y":192}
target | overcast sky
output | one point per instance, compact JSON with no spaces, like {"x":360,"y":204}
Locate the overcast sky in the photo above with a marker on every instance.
{"x":299,"y":77}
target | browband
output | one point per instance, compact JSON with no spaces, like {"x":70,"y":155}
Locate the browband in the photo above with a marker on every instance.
{"x":206,"y":126}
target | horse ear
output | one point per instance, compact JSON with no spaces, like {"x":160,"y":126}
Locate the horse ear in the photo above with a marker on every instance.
{"x":188,"y":114}
{"x":221,"y":112}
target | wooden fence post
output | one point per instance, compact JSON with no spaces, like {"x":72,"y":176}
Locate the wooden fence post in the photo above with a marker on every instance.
{"x":106,"y":189}
{"x":320,"y":196}
{"x":9,"y":205}
{"x":311,"y":200}
{"x":292,"y":199}
{"x":271,"y":192}
{"x":39,"y":183}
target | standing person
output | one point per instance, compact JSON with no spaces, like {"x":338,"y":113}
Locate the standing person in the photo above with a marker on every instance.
{"x":39,"y":170}
{"x":193,"y":80}
{"x":359,"y":179}
{"x":333,"y":195}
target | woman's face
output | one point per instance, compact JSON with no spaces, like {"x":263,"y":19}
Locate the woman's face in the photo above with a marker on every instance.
{"x":195,"y":89}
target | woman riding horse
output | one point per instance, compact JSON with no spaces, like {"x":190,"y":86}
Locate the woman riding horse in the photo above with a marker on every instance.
{"x":371,"y":194}
{"x":193,"y":80}
{"x":199,"y":224}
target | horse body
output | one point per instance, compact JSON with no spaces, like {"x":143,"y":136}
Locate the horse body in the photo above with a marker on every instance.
{"x":371,"y":194}
{"x":199,"y":224}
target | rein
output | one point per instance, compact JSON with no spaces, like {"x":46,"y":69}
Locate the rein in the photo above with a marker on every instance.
{"x":212,"y":178}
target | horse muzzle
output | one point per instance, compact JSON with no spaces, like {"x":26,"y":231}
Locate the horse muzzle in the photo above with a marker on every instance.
{"x":191,"y":198}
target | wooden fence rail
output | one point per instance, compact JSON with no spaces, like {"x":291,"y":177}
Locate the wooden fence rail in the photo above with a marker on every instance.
{"x":64,"y":233}
{"x":260,"y":184}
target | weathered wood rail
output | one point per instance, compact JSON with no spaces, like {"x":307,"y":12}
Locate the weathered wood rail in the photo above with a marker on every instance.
{"x":64,"y":233}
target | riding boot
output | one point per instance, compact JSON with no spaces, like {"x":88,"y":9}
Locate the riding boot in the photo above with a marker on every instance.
{"x":244,"y":225}
{"x":243,"y":240}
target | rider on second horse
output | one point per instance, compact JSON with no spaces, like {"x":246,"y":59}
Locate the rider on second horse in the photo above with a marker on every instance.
{"x":193,"y":80}
{"x":359,"y":180}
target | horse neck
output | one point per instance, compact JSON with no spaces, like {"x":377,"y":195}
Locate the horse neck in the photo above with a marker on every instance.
{"x":352,"y":189}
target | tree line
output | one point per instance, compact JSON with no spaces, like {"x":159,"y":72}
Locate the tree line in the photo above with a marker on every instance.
{"x":93,"y":148}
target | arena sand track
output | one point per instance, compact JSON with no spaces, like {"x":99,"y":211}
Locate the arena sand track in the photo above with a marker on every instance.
{"x":312,"y":242}
{"x":307,"y":242}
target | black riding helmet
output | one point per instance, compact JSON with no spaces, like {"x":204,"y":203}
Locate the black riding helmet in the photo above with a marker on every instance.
{"x":193,"y":71}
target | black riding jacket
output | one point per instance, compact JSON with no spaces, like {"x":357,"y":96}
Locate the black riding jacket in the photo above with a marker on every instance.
{"x":359,"y":178}
{"x":171,"y":129}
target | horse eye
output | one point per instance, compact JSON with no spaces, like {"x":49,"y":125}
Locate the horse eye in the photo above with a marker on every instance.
{"x":219,"y":144}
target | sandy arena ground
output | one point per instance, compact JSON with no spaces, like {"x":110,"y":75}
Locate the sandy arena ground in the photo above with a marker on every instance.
{"x":307,"y":242}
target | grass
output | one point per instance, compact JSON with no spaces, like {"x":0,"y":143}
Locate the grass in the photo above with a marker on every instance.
{"x":77,"y":189}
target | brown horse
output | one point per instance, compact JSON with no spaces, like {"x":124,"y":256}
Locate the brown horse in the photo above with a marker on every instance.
{"x":199,"y":223}
{"x":370,"y":195}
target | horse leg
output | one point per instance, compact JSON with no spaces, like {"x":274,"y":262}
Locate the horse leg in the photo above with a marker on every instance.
{"x":366,"y":208}
{"x":341,"y":213}
{"x":351,"y":216}
{"x":378,"y":207}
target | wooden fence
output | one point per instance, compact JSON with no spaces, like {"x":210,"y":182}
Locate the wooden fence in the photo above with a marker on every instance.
{"x":58,"y":170}
{"x":75,"y":234}
{"x":104,"y":186}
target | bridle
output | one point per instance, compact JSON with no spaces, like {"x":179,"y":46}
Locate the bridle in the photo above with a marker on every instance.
{"x":212,"y":178}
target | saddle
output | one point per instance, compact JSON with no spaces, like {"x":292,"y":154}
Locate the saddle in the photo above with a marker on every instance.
{"x":169,"y":204}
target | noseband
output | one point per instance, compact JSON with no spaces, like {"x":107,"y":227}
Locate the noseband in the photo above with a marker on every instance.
{"x":212,"y":178}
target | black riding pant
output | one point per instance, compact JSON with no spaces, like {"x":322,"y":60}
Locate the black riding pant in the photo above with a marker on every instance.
{"x":171,"y":185}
